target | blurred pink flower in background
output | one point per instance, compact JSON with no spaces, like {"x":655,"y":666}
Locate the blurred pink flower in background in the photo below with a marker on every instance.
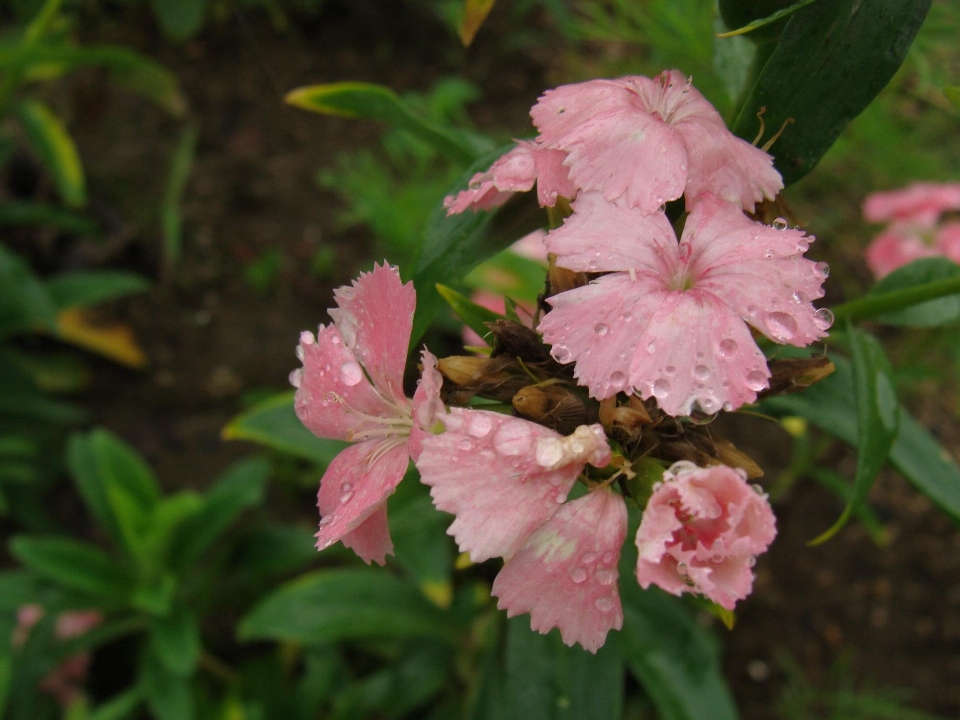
{"x":922,"y":203}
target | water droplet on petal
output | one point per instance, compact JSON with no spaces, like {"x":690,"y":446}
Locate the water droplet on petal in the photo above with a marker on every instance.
{"x":728,"y":406}
{"x":465,"y":444}
{"x":617,"y":378}
{"x":823,"y":270}
{"x":561,"y":353}
{"x":823,"y":318}
{"x":335,"y":339}
{"x":480,"y":425}
{"x":661,"y":388}
{"x":701,"y":372}
{"x":560,"y":498}
{"x":606,"y":576}
{"x":344,"y":497}
{"x":799,"y":298}
{"x":589,"y":558}
{"x":781,"y":326}
{"x":578,"y":575}
{"x":752,"y":310}
{"x":300,"y":353}
{"x":600,"y":329}
{"x":728,"y":346}
{"x":768,"y":253}
{"x":669,"y":370}
{"x":350,"y":373}
{"x":779,"y":224}
{"x":756,"y":381}
{"x":513,"y":438}
{"x":651,"y":348}
{"x":296,"y":377}
{"x":603,"y":604}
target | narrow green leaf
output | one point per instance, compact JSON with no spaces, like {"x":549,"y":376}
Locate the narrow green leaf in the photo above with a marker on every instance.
{"x":55,"y":147}
{"x":419,"y":535}
{"x":174,"y":641}
{"x":475,"y":316}
{"x":763,"y":22}
{"x":273,"y":422}
{"x":162,"y":527}
{"x":170,"y":217}
{"x":179,"y":19}
{"x":878,"y":416}
{"x":376,"y":102}
{"x":168,"y":695}
{"x":240,"y":488}
{"x":546,"y":680}
{"x":831,"y":406}
{"x":26,"y":212}
{"x":830,"y":61}
{"x":345,"y":604}
{"x":25,"y":304}
{"x":917,"y":276}
{"x":454,"y":245}
{"x":73,"y":565}
{"x":80,"y":289}
{"x":674,"y":657}
{"x":119,"y":706}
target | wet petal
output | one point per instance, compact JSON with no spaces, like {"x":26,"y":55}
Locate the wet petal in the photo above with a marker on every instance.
{"x":371,"y":540}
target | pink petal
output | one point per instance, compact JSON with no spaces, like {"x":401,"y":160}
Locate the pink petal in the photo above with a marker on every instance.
{"x":948,"y":240}
{"x":920,"y":203}
{"x":898,"y":245}
{"x":371,"y":540}
{"x":603,"y":236}
{"x":353,"y":488}
{"x":565,"y":575}
{"x":553,"y":177}
{"x":427,"y":406}
{"x":484,"y":470}
{"x":333,"y":395}
{"x":516,"y":171}
{"x":375,"y":317}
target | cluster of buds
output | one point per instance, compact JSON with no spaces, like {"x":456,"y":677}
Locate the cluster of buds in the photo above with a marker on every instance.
{"x":644,"y":338}
{"x":922,"y":222}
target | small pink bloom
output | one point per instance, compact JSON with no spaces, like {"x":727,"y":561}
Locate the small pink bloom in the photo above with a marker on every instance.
{"x":670,"y":319}
{"x":920,"y":203}
{"x":565,"y":574}
{"x":647,"y":141}
{"x":517,"y":171}
{"x":351,"y":388}
{"x":701,"y":532}
{"x":484,"y":469}
{"x":948,"y":240}
{"x":898,"y":245}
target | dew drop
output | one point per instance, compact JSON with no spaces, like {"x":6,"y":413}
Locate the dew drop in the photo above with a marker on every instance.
{"x":513,"y":438}
{"x":578,"y":575}
{"x":728,"y":346}
{"x":617,"y":378}
{"x":768,"y":253}
{"x":346,"y":487}
{"x":300,"y":353}
{"x":823,"y":318}
{"x":758,"y":489}
{"x":561,"y":353}
{"x":669,"y":370}
{"x":728,"y":406}
{"x":306,"y":338}
{"x":823,"y":269}
{"x":480,"y":426}
{"x":606,"y":576}
{"x":682,"y":570}
{"x":752,"y":310}
{"x":465,"y":444}
{"x":350,"y":373}
{"x":756,"y":381}
{"x":603,"y":604}
{"x":326,"y":520}
{"x":345,"y":497}
{"x":701,"y":372}
{"x":781,"y":326}
{"x":592,"y":264}
{"x":601,"y":329}
{"x":799,"y":298}
{"x":560,"y":498}
{"x":335,"y":339}
{"x":657,"y":485}
{"x":752,"y":561}
{"x":589,"y":558}
{"x":296,"y":377}
{"x":661,"y":388}
{"x":651,"y":348}
{"x":779,"y":224}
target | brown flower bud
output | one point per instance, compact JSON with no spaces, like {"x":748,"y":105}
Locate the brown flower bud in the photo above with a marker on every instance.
{"x":789,"y":375}
{"x":555,"y":406}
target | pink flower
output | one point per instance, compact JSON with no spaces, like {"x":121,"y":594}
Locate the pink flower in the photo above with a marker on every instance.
{"x":517,"y":171}
{"x":921,"y":203}
{"x":701,"y":532}
{"x":66,"y":680}
{"x":506,"y":480}
{"x":670,"y":320}
{"x":898,"y":245}
{"x":646,"y":141}
{"x":351,"y":388}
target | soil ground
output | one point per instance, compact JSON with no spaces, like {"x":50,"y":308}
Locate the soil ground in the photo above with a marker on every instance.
{"x":211,"y":338}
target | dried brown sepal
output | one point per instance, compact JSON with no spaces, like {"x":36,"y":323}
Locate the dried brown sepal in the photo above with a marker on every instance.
{"x":555,"y":406}
{"x":736,"y":458}
{"x":560,"y":280}
{"x":788,"y":375}
{"x":768,"y":211}
{"x":518,"y":341}
{"x":624,"y":423}
{"x":494,"y":378}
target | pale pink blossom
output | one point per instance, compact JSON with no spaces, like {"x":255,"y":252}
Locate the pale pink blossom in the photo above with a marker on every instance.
{"x":670,"y":320}
{"x":565,"y":574}
{"x":506,"y":481}
{"x":920,"y":203}
{"x":351,"y":388}
{"x":948,"y":240}
{"x":701,"y":532}
{"x":898,"y":245}
{"x":65,"y":681}
{"x":517,"y":171}
{"x":646,"y":141}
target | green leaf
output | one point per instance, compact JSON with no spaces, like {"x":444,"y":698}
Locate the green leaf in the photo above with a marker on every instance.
{"x":174,"y":641}
{"x":273,"y":422}
{"x":419,"y":534}
{"x":119,"y":706}
{"x":168,"y":695}
{"x":180,"y":166}
{"x":80,"y":289}
{"x":454,"y":245}
{"x":240,"y":488}
{"x":915,"y":275}
{"x":25,"y":303}
{"x":26,"y":212}
{"x":152,"y":546}
{"x":952,"y":93}
{"x":345,"y":604}
{"x":830,"y":405}
{"x":126,"y":67}
{"x":475,"y":316}
{"x":546,"y":680}
{"x":73,"y":565}
{"x":763,"y":22}
{"x":674,"y":657}
{"x":17,"y":587}
{"x":179,"y":19}
{"x":878,"y":416}
{"x":55,"y":147}
{"x":830,"y":61}
{"x":376,"y":102}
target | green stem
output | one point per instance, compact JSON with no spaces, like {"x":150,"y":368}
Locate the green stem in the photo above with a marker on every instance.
{"x":870,"y":305}
{"x":35,"y":30}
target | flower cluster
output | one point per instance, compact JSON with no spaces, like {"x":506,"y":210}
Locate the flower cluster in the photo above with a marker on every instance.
{"x":917,"y":228}
{"x":647,"y":335}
